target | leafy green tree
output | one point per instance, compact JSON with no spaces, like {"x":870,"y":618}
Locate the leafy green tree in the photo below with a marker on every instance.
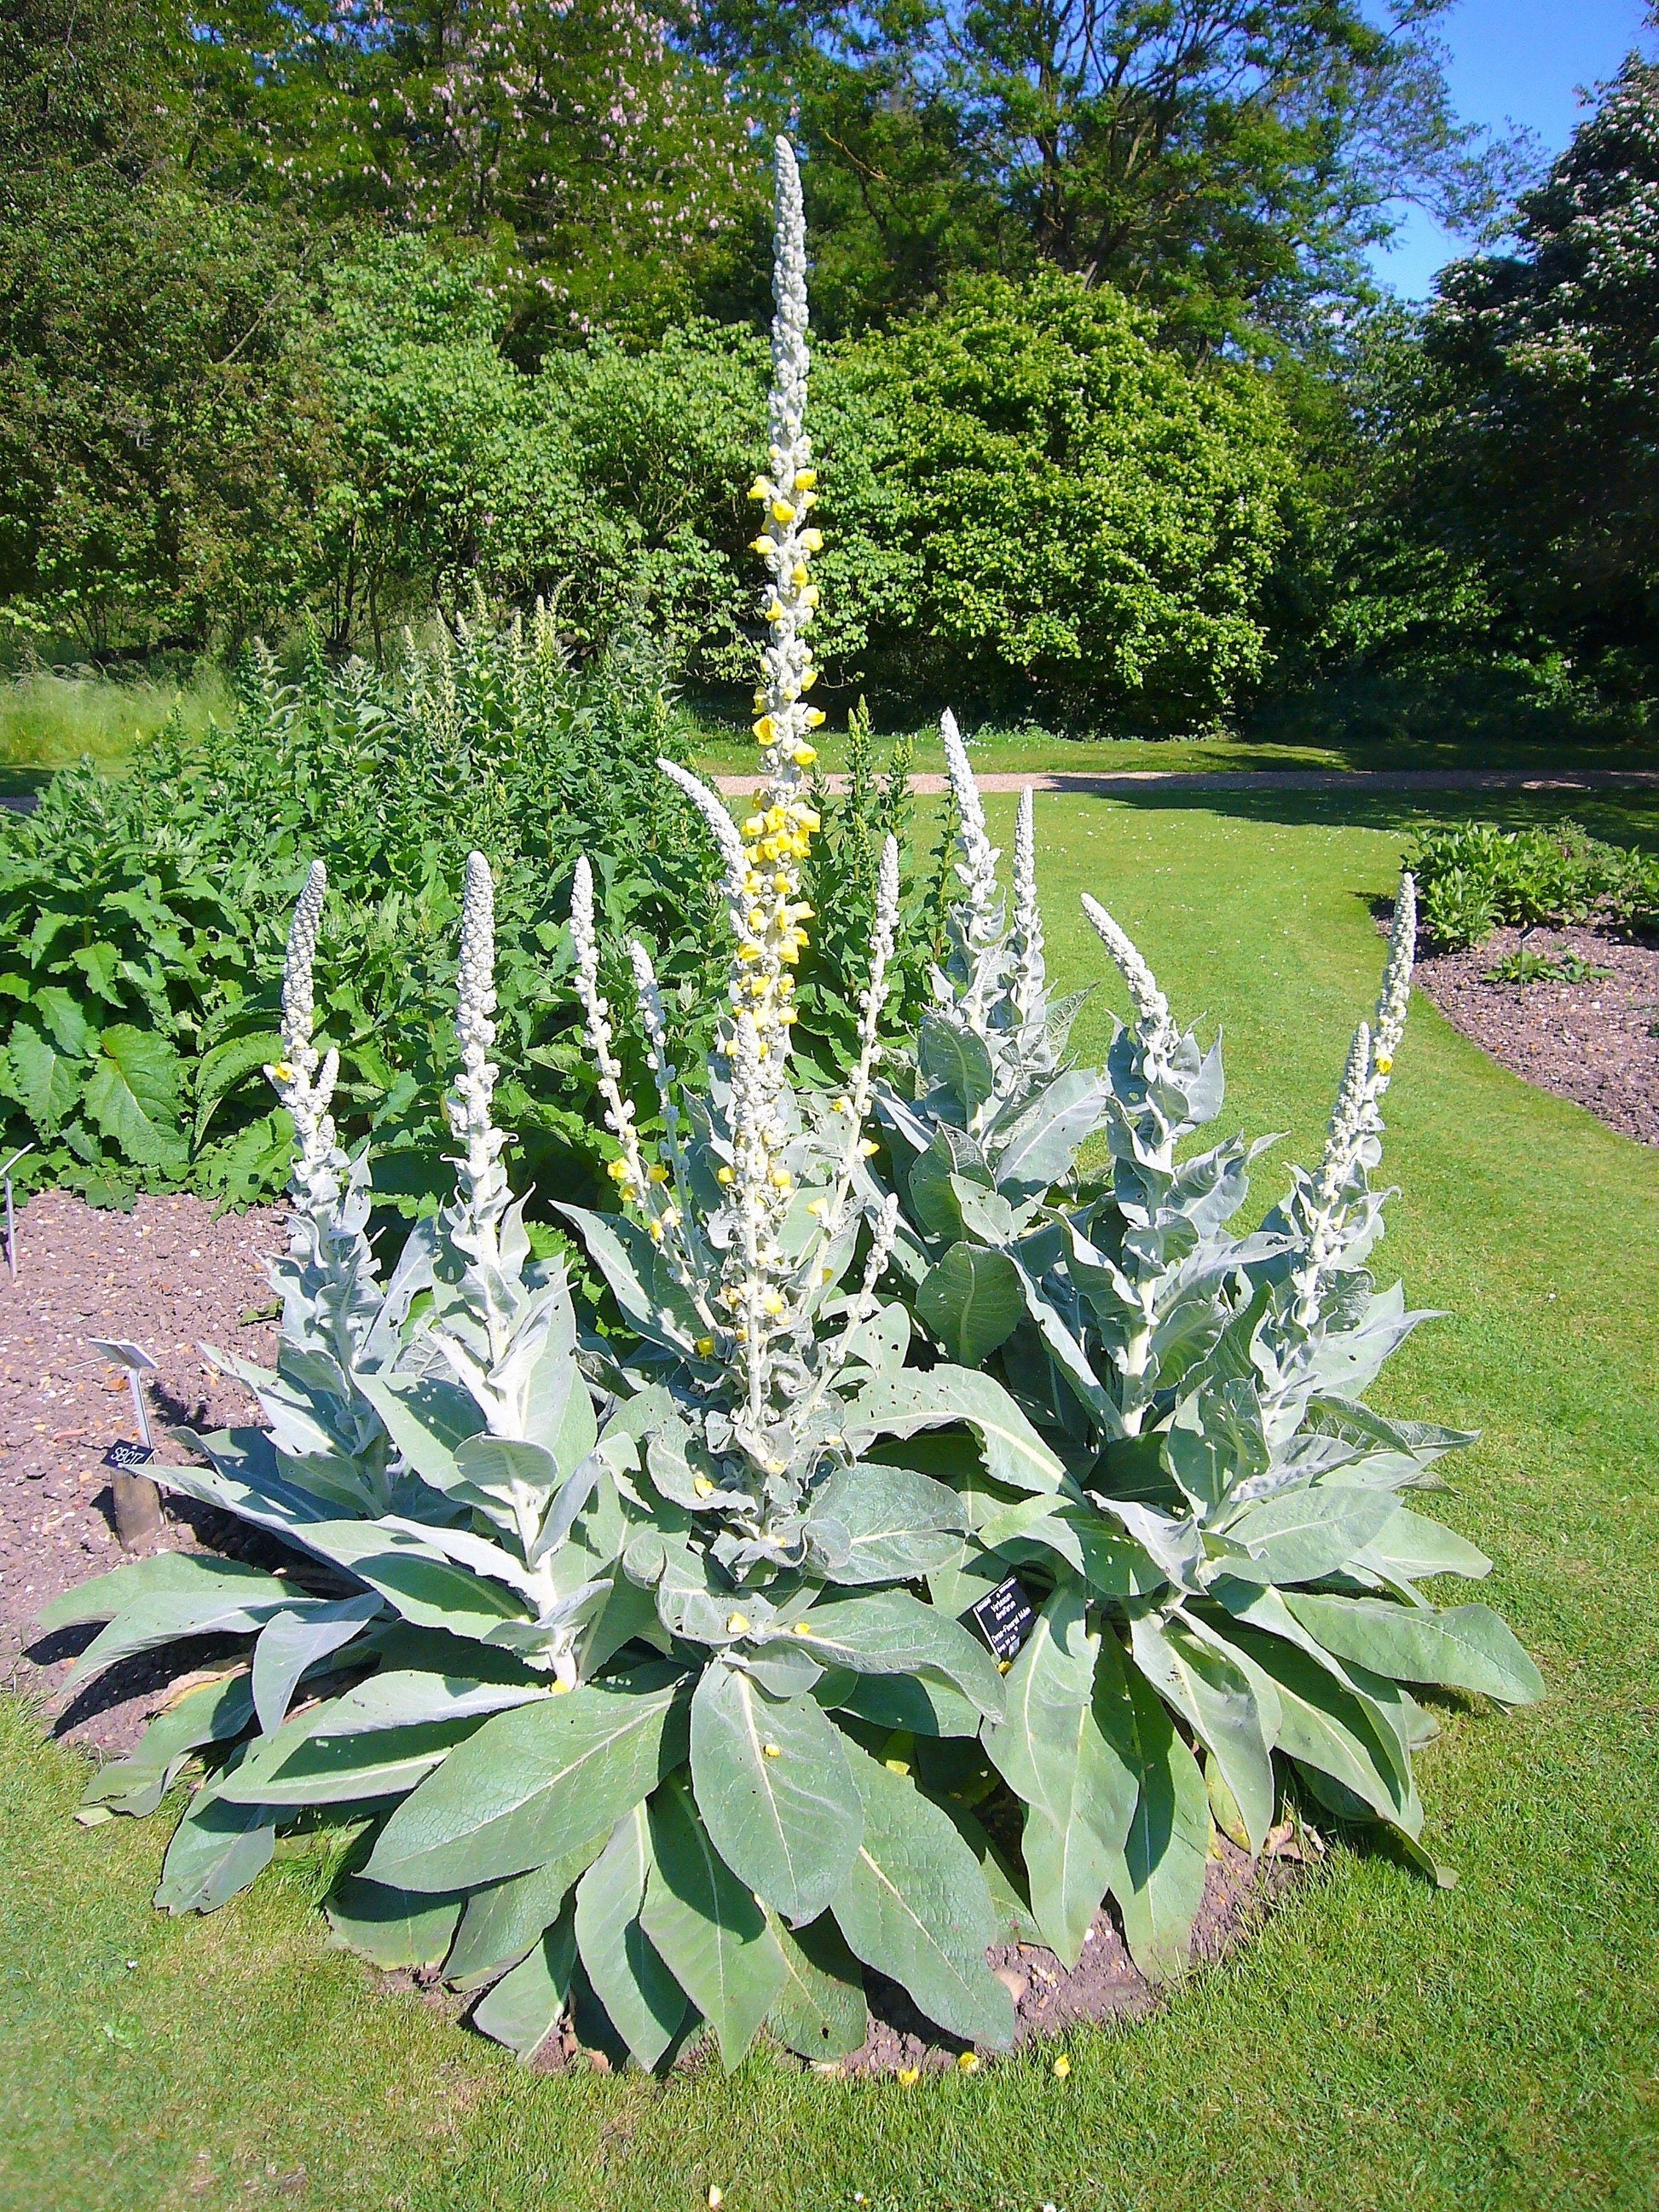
{"x":1538,"y":438}
{"x":606,"y":166}
{"x":1228,"y":161}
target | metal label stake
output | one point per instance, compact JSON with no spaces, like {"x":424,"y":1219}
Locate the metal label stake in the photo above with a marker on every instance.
{"x":11,"y":1220}
{"x":137,"y":1500}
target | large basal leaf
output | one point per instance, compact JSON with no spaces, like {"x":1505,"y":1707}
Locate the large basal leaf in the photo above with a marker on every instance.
{"x":1333,"y":1728}
{"x":525,"y":2006}
{"x":217,"y":1849}
{"x":644,"y":2003}
{"x":415,"y":1576}
{"x":972,"y":1301}
{"x":707,"y":1927}
{"x":775,"y":1790}
{"x":212,"y":1713}
{"x":1467,"y":1648}
{"x":915,"y":1907}
{"x":132,"y":1094}
{"x":291,"y":1641}
{"x":1210,"y":1692}
{"x":1411,"y":1547}
{"x":1309,"y":1534}
{"x":1052,"y":1752}
{"x":1168,"y":1846}
{"x":310,"y":1768}
{"x":888,"y":1632}
{"x":161,"y":1617}
{"x":163,"y":1574}
{"x":516,"y":1792}
{"x":45,"y":1081}
{"x":901,"y":1523}
{"x":501,"y":1923}
{"x":391,"y":1927}
{"x":900,"y":1405}
{"x":820,"y":2013}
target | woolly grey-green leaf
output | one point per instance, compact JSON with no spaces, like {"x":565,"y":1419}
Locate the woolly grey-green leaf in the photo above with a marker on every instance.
{"x":775,"y":1791}
{"x":712,"y":1934}
{"x":644,"y":2003}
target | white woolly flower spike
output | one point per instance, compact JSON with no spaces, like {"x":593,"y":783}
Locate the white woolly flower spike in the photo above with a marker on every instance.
{"x":482,"y":1193}
{"x":1027,"y":986}
{"x":978,"y":866}
{"x":619,"y":1110}
{"x":303,"y":1090}
{"x":1152,"y":1007}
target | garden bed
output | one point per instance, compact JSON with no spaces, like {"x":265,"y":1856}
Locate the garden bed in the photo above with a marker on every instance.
{"x":1593,"y":1041}
{"x":170,"y":1274}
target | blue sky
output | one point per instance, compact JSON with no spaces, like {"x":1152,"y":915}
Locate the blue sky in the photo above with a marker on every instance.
{"x":1523,"y":61}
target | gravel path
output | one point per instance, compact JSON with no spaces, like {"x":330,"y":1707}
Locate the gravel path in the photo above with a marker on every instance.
{"x":1105,"y":782}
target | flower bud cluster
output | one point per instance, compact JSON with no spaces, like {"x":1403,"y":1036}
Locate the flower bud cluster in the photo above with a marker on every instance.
{"x":1335,"y":1205}
{"x":305,"y":1089}
{"x":482,"y":1190}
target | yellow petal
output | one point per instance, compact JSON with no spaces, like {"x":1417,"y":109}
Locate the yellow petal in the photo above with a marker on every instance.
{"x":968,"y":2062}
{"x":737,"y":1623}
{"x":1063,"y":2067}
{"x":771,"y":1751}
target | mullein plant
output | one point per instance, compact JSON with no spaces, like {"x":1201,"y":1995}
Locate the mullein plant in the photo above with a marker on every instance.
{"x":1227,"y":1576}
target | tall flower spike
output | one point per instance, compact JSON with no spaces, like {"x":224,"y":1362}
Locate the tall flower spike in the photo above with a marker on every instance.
{"x":629,"y":1171}
{"x":978,"y":866}
{"x":1152,"y":1007}
{"x":1394,"y":1000}
{"x":1030,"y":973}
{"x":482,"y":1190}
{"x":315,"y":1184}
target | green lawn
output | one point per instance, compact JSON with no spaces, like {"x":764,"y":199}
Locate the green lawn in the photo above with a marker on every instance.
{"x":1380,"y":2045}
{"x":49,"y":719}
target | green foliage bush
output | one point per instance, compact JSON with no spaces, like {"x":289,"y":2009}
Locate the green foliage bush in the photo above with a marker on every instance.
{"x":141,"y":919}
{"x":1475,"y":877}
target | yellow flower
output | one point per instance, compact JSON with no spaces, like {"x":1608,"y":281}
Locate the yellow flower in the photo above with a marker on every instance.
{"x":760,"y":488}
{"x":809,"y":598}
{"x":868,"y":1148}
{"x":1384,"y":1062}
{"x":774,"y":612}
{"x":782,"y":1180}
{"x":754,"y":825}
{"x":618,"y":1171}
{"x":1063,"y":2067}
{"x":703,"y":1486}
{"x":812,"y":539}
{"x":762,"y":545}
{"x":781,"y":511}
{"x":771,"y":1305}
{"x":705,"y":1345}
{"x":764,"y":729}
{"x":736,"y":1624}
{"x":806,"y":479}
{"x":725,"y":1175}
{"x":658,"y":1173}
{"x":282,"y":1072}
{"x":909,"y":2077}
{"x":968,"y":2062}
{"x":798,"y":574}
{"x":815,"y":717}
{"x":803,"y":1628}
{"x":809,"y":679}
{"x":654,"y":1230}
{"x":804,"y":756}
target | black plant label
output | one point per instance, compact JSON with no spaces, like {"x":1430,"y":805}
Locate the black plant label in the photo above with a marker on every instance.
{"x":1004,"y":1618}
{"x":123,"y":1456}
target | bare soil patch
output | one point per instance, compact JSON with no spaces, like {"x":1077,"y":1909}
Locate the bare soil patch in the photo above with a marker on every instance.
{"x":1593,"y":1041}
{"x":169,"y":1276}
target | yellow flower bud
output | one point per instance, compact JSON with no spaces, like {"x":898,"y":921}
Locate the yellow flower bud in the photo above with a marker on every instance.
{"x":1063,"y":2067}
{"x":908,"y":2076}
{"x":782,"y":1180}
{"x":775,"y":612}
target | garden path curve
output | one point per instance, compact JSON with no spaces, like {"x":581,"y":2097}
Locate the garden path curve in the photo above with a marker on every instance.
{"x":1130,"y":781}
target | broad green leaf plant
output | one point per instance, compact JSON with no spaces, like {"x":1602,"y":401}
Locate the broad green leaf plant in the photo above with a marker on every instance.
{"x":630,"y":1652}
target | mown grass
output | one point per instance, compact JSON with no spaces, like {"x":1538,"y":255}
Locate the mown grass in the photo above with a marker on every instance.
{"x":50,"y":719}
{"x":1379,"y":2044}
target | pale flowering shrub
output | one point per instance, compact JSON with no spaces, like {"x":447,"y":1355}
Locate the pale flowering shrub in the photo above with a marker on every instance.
{"x":1228,"y":1574}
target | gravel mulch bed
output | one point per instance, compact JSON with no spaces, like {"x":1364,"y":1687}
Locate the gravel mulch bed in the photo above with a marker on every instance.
{"x":1593,"y":1042}
{"x":168,"y":1276}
